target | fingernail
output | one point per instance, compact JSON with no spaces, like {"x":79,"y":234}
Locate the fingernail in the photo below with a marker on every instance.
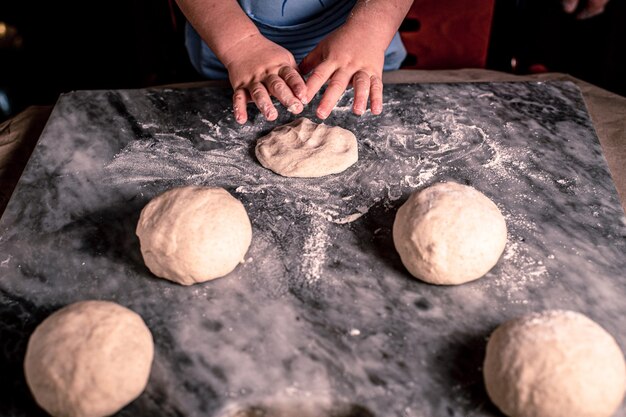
{"x":322,"y":115}
{"x":271,"y":114}
{"x":568,"y":6}
{"x":296,"y":107}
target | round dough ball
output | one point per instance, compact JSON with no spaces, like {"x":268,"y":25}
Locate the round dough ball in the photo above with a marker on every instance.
{"x":449,"y":234}
{"x":88,"y":359}
{"x":306,"y":149}
{"x":194,"y":234}
{"x":554,"y":364}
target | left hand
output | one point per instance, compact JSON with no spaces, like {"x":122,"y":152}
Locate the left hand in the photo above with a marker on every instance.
{"x":347,"y":56}
{"x":590,"y":9}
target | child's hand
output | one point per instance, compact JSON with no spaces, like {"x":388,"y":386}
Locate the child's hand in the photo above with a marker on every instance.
{"x":258,"y":68}
{"x":346,"y":56}
{"x":355,"y":53}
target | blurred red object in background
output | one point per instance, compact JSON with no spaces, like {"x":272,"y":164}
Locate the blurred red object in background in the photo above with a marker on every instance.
{"x":447,"y":34}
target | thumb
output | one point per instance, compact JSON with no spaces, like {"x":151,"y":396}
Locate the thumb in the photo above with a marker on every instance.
{"x":309,"y":62}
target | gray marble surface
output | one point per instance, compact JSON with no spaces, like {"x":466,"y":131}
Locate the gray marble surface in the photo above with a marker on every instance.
{"x":322,"y":319}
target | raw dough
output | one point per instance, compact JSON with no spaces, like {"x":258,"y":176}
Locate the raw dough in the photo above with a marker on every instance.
{"x":306,"y":149}
{"x":193,"y":234}
{"x":88,"y":359}
{"x":554,"y":364}
{"x":449,"y":234}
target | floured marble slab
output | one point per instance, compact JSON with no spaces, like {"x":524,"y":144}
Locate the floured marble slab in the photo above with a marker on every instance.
{"x":322,"y":318}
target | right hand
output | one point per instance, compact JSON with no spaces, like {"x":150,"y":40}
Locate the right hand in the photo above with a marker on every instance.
{"x":258,"y":69}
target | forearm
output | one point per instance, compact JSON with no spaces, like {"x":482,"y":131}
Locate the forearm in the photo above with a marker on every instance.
{"x":222,"y":24}
{"x":378,"y":20}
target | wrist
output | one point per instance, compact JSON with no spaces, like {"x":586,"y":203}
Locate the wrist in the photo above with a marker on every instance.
{"x":233,"y":50}
{"x":378,"y":21}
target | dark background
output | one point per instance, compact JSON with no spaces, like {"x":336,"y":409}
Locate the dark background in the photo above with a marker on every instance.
{"x":51,"y":47}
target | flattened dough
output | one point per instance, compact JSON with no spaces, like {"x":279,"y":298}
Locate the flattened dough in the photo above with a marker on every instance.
{"x":306,"y":149}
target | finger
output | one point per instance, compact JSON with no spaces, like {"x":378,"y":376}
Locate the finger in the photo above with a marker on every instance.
{"x":239,"y":106}
{"x":295,"y":82}
{"x":361,"y":84}
{"x":308,"y":63}
{"x":336,"y":87}
{"x":317,"y":78}
{"x":569,"y":5}
{"x":262,"y":99}
{"x":593,"y":8}
{"x":279,"y":89}
{"x":376,"y":94}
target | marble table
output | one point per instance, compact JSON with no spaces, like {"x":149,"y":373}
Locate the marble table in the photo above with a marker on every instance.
{"x":321,"y":319}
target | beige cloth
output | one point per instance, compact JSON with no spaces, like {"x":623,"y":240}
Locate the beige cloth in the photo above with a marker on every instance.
{"x":19,"y":135}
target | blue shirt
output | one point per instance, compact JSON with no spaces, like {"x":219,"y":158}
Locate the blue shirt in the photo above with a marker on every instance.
{"x":296,"y":25}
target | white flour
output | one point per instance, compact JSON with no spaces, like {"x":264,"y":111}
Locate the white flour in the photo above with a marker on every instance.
{"x":402,"y":158}
{"x":314,"y":250}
